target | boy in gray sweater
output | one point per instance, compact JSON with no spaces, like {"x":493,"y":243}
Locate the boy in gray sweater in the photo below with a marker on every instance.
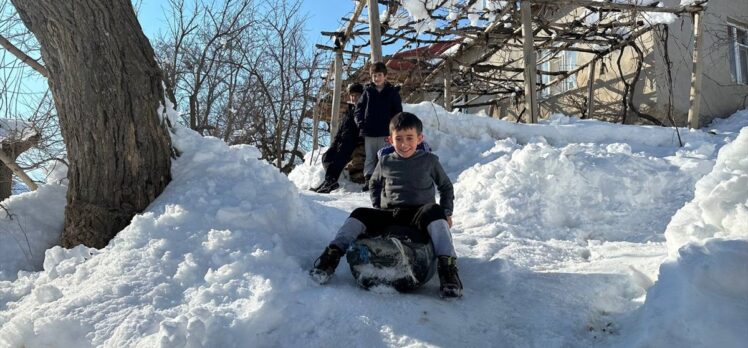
{"x":402,"y":193}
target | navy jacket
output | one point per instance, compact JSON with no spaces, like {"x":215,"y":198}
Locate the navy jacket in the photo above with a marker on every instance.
{"x":345,"y":138}
{"x":375,"y":109}
{"x":348,"y":130}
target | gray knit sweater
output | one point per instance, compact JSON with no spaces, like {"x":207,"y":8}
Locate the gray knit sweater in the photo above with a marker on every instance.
{"x":398,"y":182}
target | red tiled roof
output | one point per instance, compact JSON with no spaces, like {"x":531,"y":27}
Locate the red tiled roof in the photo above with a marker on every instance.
{"x":405,"y":60}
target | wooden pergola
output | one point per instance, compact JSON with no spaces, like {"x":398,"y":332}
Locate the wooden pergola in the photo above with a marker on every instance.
{"x":525,"y":26}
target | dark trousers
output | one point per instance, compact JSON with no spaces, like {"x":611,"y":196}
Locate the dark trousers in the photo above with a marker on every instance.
{"x":376,"y":220}
{"x":337,"y":157}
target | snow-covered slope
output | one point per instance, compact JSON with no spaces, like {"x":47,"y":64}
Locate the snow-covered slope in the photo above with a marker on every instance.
{"x":559,"y":227}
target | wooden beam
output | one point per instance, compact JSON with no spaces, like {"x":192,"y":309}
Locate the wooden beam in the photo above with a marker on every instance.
{"x":336,"y":94}
{"x":621,"y":6}
{"x":447,"y":86}
{"x":349,"y":28}
{"x":328,"y":48}
{"x":375,"y":34}
{"x":695,"y":94}
{"x":531,"y":96}
{"x":315,"y":122}
{"x":343,"y":41}
{"x":590,"y":89}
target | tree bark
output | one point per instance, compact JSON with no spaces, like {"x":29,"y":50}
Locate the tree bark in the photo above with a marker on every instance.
{"x":12,"y":149}
{"x":107,"y":88}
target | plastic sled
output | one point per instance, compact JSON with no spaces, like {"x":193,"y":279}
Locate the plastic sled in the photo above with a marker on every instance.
{"x":401,"y":258}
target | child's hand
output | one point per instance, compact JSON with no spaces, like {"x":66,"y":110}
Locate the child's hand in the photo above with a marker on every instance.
{"x":449,"y":221}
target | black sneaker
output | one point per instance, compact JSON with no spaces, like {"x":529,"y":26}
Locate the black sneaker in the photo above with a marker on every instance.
{"x":318,"y":187}
{"x":328,"y":187}
{"x":326,"y":264}
{"x":366,"y":183}
{"x":450,"y":284}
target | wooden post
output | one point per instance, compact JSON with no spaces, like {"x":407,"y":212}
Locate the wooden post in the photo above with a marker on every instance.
{"x":315,"y":122}
{"x":447,"y":86}
{"x":346,"y":34}
{"x":531,"y":97}
{"x":375,"y":34}
{"x":590,"y":89}
{"x":695,"y":95}
{"x":336,"y":94}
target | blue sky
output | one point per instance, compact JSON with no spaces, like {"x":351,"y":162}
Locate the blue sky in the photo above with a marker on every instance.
{"x":323,"y":15}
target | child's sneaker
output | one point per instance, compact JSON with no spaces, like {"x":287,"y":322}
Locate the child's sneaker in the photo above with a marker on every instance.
{"x":326,"y":264}
{"x":328,"y":187}
{"x":449,"y":280}
{"x":366,"y":183}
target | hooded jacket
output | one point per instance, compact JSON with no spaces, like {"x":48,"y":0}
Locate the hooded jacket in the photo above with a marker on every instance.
{"x":410,"y":182}
{"x":375,"y":109}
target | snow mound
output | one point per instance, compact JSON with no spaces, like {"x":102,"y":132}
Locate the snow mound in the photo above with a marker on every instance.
{"x":30,"y":224}
{"x":720,"y":204}
{"x":699,"y":300}
{"x":311,"y":173}
{"x":208,"y":256}
{"x":542,"y":181}
{"x":544,"y":192}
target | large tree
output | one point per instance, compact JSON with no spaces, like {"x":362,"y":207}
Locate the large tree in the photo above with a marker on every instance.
{"x":107,"y":89}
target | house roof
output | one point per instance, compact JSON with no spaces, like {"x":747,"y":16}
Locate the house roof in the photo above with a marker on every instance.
{"x":406,"y":60}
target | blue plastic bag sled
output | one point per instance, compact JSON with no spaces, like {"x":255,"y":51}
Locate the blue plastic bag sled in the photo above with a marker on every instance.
{"x":401,"y":258}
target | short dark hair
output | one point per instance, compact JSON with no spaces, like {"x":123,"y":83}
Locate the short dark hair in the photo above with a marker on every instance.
{"x":356,"y":88}
{"x":406,"y":120}
{"x":378,"y":67}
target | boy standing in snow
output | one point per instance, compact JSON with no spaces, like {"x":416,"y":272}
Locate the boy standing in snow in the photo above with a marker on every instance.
{"x":377,"y":105}
{"x":345,"y":141}
{"x":407,"y":200}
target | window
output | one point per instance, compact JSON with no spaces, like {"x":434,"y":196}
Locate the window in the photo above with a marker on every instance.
{"x":561,"y":61}
{"x":738,"y":53}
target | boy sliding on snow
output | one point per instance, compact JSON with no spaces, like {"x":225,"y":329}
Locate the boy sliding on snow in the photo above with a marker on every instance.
{"x":407,"y":200}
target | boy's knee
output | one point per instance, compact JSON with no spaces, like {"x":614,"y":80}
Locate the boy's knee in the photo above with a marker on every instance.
{"x":359,"y":214}
{"x":429,"y":213}
{"x":435,"y":210}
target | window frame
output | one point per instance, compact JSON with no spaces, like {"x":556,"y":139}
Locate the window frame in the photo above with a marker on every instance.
{"x":562,"y":61}
{"x":738,"y":65}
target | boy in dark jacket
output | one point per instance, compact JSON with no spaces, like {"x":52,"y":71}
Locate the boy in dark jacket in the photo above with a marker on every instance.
{"x":408,"y":200}
{"x":342,"y":146}
{"x":379,"y":103}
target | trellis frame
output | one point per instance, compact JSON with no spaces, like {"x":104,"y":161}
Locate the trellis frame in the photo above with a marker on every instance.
{"x":506,"y":31}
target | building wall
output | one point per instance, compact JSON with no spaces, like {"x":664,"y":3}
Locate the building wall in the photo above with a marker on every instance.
{"x":608,"y":87}
{"x":721,"y":95}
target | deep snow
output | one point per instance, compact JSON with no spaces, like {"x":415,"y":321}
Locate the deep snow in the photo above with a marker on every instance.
{"x":563,"y":232}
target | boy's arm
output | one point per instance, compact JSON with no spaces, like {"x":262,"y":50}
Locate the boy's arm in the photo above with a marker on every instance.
{"x":375,"y":186}
{"x":398,"y":107}
{"x":444,"y":186}
{"x":348,"y":127}
{"x":360,"y":110}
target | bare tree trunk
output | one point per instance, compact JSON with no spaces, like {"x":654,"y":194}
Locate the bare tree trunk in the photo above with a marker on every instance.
{"x":12,"y":149}
{"x":107,"y":88}
{"x":6,"y":182}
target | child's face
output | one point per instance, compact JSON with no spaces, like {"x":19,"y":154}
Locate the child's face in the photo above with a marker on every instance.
{"x":353,"y":97}
{"x":405,"y":141}
{"x":378,"y":78}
